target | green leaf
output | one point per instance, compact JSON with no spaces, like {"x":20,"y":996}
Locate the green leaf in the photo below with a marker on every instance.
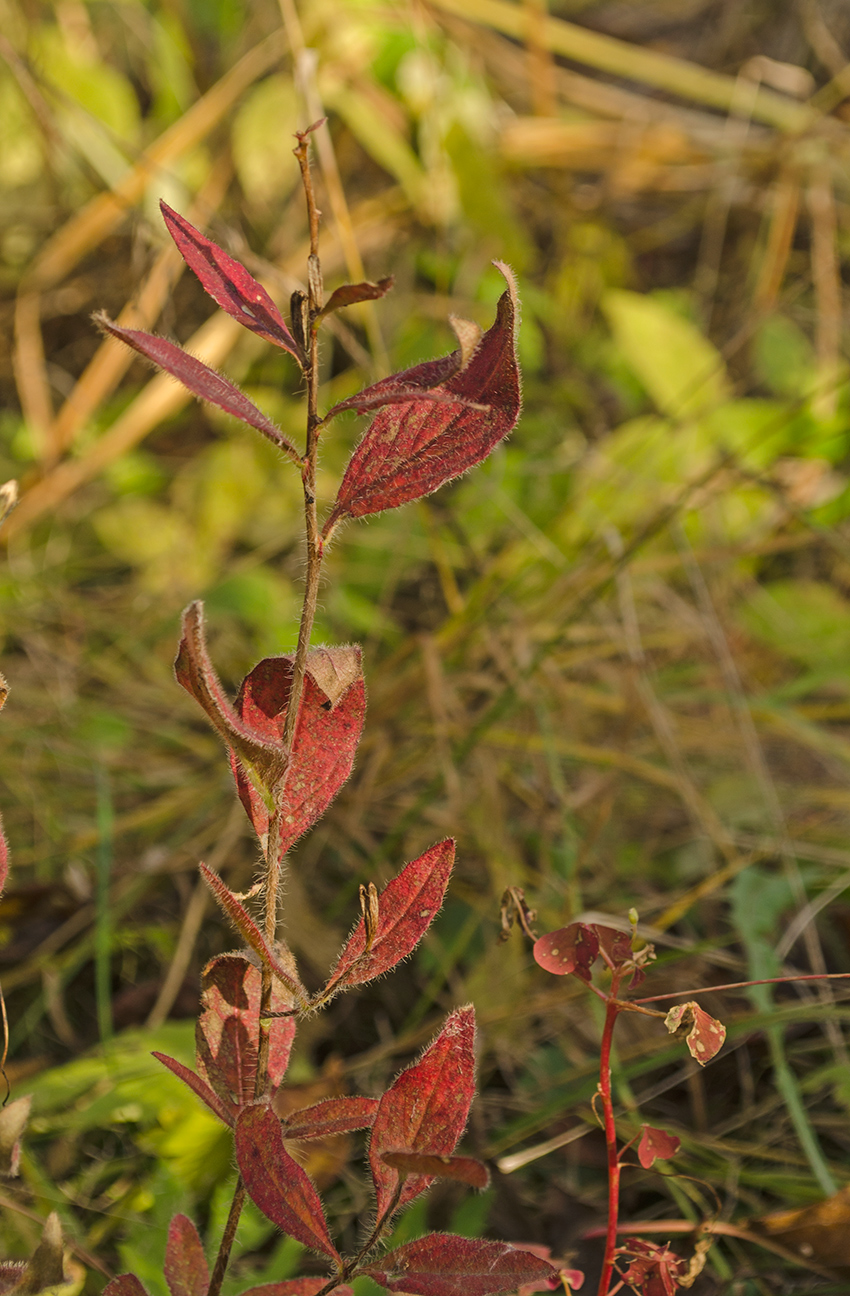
{"x":262,"y":139}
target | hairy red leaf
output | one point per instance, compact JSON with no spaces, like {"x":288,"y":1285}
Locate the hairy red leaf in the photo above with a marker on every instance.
{"x":466,"y":1170}
{"x":406,"y":908}
{"x":656,"y":1143}
{"x":410,"y":450}
{"x":333,"y":1116}
{"x":124,"y":1285}
{"x":704,"y":1034}
{"x":227,"y":1030}
{"x":442,"y":1264}
{"x":297,"y":1287}
{"x":220,"y":1106}
{"x":570,"y":1279}
{"x":330,"y":721}
{"x":185,"y":1269}
{"x":570,"y":949}
{"x":351,"y":294}
{"x":245,"y":925}
{"x":200,"y":379}
{"x":426,"y":1108}
{"x":229,"y":283}
{"x":276,"y":1183}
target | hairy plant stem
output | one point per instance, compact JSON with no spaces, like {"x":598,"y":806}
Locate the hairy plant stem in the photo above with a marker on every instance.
{"x":349,"y":1268}
{"x":611,"y":1013}
{"x":227,"y":1239}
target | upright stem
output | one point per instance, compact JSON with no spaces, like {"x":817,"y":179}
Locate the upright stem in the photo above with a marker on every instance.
{"x":228,"y":1238}
{"x":611,"y":1013}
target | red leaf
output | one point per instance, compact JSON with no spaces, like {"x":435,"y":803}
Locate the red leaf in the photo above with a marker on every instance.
{"x":409,"y":451}
{"x":656,"y":1143}
{"x":406,"y":908}
{"x":333,"y":1116}
{"x":330,"y":721}
{"x":276,"y":1183}
{"x":223,"y":1108}
{"x":705,"y":1034}
{"x":570,"y":949}
{"x":297,"y":1287}
{"x":655,"y":1270}
{"x":615,"y":943}
{"x":229,"y":283}
{"x":351,"y":294}
{"x":466,"y":1170}
{"x":245,"y":925}
{"x":124,"y":1285}
{"x":426,"y":1108}
{"x":227,"y":1031}
{"x":200,"y":379}
{"x":444,"y":1265}
{"x":186,"y":1270}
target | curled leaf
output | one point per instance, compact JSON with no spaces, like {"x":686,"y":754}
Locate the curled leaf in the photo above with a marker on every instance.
{"x":656,"y":1144}
{"x":200,"y":379}
{"x":228,"y":283}
{"x":442,"y":1264}
{"x":351,"y":294}
{"x":704,"y":1034}
{"x":410,"y":450}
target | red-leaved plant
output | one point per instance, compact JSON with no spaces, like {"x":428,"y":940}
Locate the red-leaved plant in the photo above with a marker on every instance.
{"x":291,"y":734}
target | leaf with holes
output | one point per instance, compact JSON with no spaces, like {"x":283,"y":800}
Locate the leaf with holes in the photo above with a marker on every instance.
{"x":333,"y":1116}
{"x":426,"y":1108}
{"x":185,"y":1269}
{"x":228,"y":283}
{"x":276,"y":1183}
{"x":445,"y":1265}
{"x":406,"y":908}
{"x":200,"y":379}
{"x":656,"y":1144}
{"x":410,"y":450}
{"x":570,"y":949}
{"x":466,"y":1170}
{"x":704,"y":1034}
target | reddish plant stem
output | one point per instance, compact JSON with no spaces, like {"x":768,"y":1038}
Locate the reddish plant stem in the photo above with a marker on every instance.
{"x":228,"y":1237}
{"x":611,"y":1013}
{"x":743,"y":985}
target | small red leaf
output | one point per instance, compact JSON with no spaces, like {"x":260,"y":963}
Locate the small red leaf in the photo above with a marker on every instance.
{"x":124,"y":1285}
{"x":333,"y":1116}
{"x":297,"y":1287}
{"x":200,"y":379}
{"x":223,"y":1108}
{"x":410,"y":450}
{"x":186,"y":1270}
{"x":655,"y":1270}
{"x":616,"y":944}
{"x":444,"y":1265}
{"x":466,"y":1170}
{"x":351,"y":294}
{"x":656,"y":1143}
{"x":570,"y":949}
{"x":705,"y":1034}
{"x":229,"y":283}
{"x":426,"y":1108}
{"x":406,"y":908}
{"x":227,"y":1031}
{"x":276,"y":1183}
{"x":247,"y":928}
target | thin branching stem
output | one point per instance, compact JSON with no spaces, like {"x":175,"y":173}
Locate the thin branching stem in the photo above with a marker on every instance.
{"x":228,"y":1237}
{"x":611,"y":1013}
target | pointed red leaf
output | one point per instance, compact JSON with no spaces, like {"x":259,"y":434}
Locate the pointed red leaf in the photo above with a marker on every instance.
{"x":227,"y":1031}
{"x":327,"y":732}
{"x":351,"y":294}
{"x":223,"y":1108}
{"x":185,"y":1270}
{"x":444,"y":1265}
{"x":410,"y":450}
{"x":245,"y":925}
{"x":570,"y":949}
{"x":333,"y":1116}
{"x":705,"y":1034}
{"x":124,"y":1285}
{"x":297,"y":1287}
{"x":229,"y":283}
{"x":466,"y":1170}
{"x":200,"y":379}
{"x":406,"y":908}
{"x":426,"y":1108}
{"x":656,"y":1143}
{"x":276,"y":1183}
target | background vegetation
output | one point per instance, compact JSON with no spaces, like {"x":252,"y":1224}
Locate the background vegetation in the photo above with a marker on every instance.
{"x":614,"y":662}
